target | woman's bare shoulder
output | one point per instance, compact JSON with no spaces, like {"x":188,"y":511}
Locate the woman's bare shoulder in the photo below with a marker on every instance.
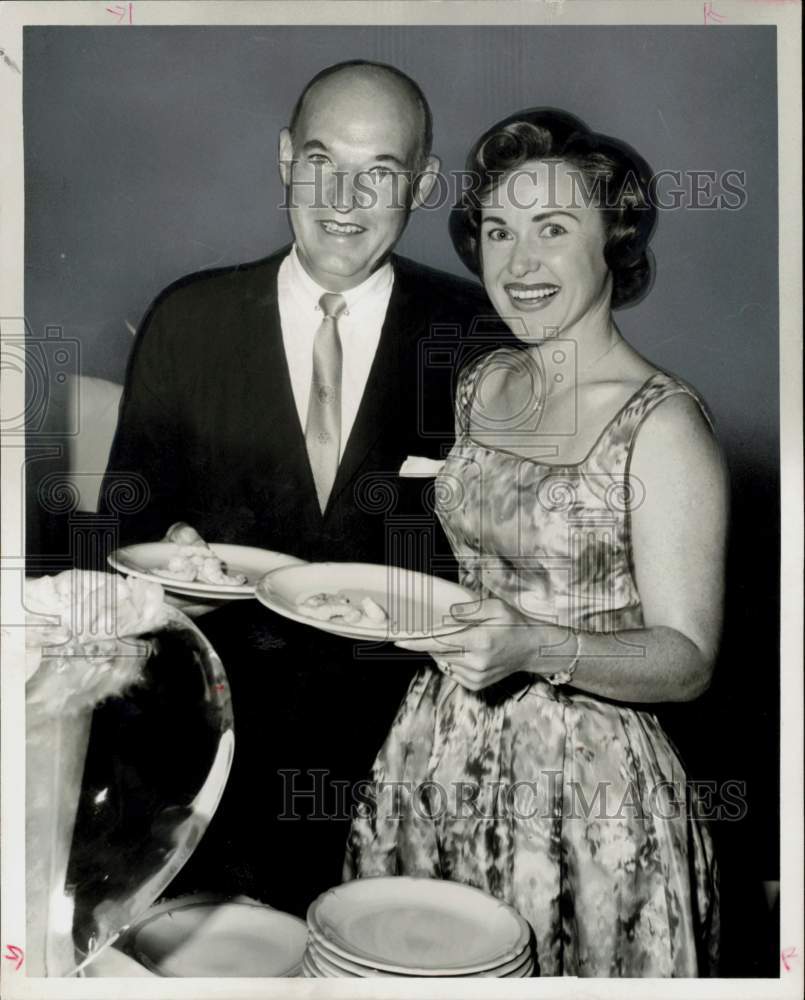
{"x":677,"y":440}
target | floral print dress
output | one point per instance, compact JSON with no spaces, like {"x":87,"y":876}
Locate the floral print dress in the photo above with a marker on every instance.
{"x":570,"y":807}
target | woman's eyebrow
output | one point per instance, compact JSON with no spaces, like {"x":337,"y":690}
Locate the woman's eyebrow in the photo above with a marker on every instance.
{"x":556,"y":211}
{"x":539,"y":217}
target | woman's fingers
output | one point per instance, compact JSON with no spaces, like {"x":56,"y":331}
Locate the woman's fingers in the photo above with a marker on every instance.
{"x":435,"y":647}
{"x":478,"y":611}
{"x":456,"y":642}
{"x":417,"y":645}
{"x":469,"y":670}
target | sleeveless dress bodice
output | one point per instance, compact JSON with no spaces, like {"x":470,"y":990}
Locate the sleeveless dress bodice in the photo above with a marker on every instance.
{"x":572,"y":808}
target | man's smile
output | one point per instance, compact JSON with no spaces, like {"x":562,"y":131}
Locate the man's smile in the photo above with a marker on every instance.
{"x":333,"y":228}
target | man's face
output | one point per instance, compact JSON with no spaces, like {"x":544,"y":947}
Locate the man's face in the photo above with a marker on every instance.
{"x":349,"y":170}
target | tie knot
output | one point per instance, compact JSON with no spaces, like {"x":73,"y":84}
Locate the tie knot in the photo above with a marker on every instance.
{"x":332,"y":304}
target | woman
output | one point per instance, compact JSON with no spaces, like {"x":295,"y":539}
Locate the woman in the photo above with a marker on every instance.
{"x":586,"y":500}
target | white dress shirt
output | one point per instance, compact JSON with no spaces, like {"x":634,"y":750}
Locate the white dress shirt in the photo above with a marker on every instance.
{"x":359,"y":328}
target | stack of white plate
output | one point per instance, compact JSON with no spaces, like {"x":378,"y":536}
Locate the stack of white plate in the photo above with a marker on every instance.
{"x":414,"y":927}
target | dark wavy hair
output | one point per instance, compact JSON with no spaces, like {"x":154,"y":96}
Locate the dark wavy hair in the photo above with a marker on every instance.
{"x":618,"y":176}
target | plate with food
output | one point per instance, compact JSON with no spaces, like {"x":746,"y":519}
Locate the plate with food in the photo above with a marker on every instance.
{"x":364,"y":600}
{"x":185,"y":564}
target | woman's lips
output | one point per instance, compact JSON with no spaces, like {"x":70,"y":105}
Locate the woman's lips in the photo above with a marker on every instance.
{"x":531,"y":297}
{"x":333,"y":228}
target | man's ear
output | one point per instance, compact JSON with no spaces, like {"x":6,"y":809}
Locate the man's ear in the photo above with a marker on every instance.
{"x":424,"y":181}
{"x":285,"y":156}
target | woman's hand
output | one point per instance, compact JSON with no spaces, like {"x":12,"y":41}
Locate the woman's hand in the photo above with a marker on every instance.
{"x":498,"y":641}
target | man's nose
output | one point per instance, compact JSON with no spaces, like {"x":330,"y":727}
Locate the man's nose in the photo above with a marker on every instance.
{"x":342,"y":192}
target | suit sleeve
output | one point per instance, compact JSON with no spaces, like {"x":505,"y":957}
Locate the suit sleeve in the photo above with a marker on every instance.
{"x":142,"y":489}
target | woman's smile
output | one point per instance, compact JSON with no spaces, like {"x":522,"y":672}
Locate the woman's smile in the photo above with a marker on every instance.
{"x":529,"y":297}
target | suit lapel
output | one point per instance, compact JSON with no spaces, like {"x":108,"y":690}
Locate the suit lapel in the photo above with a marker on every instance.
{"x":280,"y":407}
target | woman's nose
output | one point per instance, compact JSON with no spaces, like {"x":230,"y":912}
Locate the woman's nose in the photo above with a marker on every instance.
{"x":523,"y":260}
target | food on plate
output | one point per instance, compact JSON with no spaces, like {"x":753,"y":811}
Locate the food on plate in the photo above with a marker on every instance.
{"x":331,"y":608}
{"x":178,"y":568}
{"x":338,"y":607}
{"x":213,"y":570}
{"x":195,"y":561}
{"x":373,"y":611}
{"x":184,"y":534}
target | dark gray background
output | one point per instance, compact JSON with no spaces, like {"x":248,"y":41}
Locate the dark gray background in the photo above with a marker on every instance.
{"x":151,"y":152}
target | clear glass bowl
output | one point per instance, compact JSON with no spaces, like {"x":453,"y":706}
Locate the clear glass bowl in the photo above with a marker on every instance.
{"x":113,"y":825}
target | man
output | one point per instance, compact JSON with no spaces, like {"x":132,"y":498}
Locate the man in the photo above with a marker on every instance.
{"x":265,"y":404}
{"x":215,"y":411}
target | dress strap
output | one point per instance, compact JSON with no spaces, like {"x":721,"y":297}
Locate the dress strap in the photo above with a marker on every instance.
{"x":467,"y":387}
{"x":618,"y":438}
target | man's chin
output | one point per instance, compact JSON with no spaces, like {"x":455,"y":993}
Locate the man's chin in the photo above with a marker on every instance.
{"x":337,"y":272}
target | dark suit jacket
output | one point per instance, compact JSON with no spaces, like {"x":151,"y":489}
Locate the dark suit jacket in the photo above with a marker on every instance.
{"x":208,"y":419}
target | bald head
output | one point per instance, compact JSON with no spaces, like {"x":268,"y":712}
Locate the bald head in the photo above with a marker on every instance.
{"x":350,"y":90}
{"x":355,"y":163}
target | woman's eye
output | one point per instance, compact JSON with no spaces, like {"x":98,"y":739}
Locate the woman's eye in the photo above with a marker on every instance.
{"x":318,"y":159}
{"x":497,"y":235}
{"x":380,"y":173}
{"x":553,"y":229}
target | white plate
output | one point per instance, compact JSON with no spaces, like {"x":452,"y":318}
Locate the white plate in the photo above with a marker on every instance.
{"x":418,"y":926}
{"x":313,"y":970}
{"x":332,"y":964}
{"x":112,"y":962}
{"x":148,"y":558}
{"x":185,"y":937}
{"x":308,"y":973}
{"x":328,"y":968}
{"x":418,"y":605}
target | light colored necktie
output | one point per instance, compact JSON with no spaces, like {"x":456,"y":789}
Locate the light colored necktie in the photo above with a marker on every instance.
{"x":323,"y":427}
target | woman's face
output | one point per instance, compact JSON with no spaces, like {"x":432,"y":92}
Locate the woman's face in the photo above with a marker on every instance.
{"x":542,"y":251}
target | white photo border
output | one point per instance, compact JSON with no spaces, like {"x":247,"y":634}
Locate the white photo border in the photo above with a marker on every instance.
{"x":786,"y":15}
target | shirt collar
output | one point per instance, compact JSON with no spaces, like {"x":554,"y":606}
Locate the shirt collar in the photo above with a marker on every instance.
{"x":375,"y":285}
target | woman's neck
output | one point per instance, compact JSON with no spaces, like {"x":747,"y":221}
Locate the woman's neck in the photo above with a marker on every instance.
{"x":578,"y":354}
